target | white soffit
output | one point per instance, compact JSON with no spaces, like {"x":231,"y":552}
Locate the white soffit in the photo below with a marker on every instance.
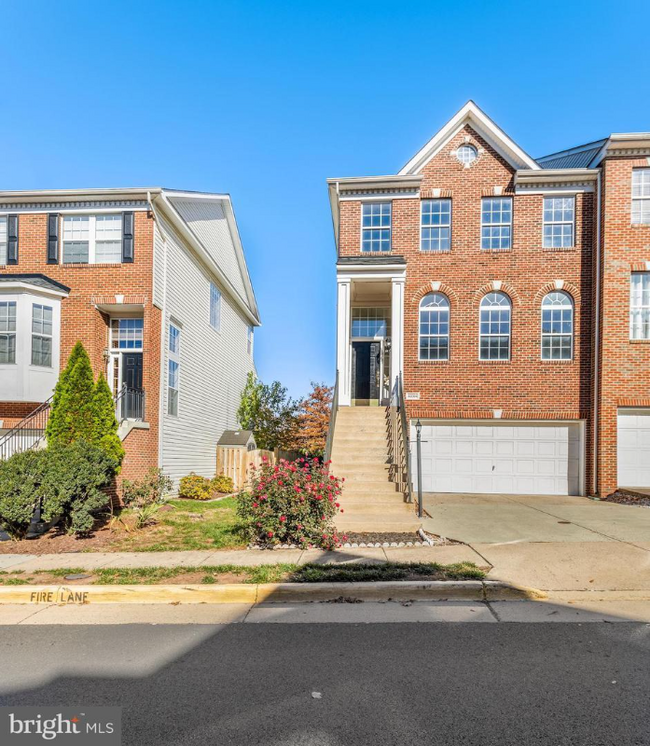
{"x":485,"y":127}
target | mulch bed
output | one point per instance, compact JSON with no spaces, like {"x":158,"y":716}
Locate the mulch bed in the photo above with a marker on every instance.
{"x":623,"y":497}
{"x":54,"y":542}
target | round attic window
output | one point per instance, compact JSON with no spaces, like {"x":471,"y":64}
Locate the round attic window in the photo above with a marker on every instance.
{"x":467,"y":154}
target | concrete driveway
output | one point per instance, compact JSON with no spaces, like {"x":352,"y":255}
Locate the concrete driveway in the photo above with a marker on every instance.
{"x":549,"y":542}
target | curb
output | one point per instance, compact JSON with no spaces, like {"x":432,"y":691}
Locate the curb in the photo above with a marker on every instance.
{"x":434,"y":590}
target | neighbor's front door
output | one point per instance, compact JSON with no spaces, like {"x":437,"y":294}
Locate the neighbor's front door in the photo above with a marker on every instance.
{"x":366,"y":367}
{"x":132,"y":370}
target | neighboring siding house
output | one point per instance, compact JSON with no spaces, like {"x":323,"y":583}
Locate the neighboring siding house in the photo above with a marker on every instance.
{"x":155,"y":284}
{"x":509,"y":298}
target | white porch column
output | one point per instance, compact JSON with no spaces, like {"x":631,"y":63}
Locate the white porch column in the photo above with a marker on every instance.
{"x":397,"y":329}
{"x":343,"y":341}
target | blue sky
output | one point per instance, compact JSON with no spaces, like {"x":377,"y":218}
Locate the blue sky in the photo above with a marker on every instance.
{"x":265,"y":100}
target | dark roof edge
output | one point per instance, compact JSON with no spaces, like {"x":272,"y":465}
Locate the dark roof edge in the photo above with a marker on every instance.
{"x":372,"y":260}
{"x":575,"y":149}
{"x":35,"y":276}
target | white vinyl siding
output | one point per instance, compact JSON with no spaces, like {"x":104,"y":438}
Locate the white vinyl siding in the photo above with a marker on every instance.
{"x":213,"y":367}
{"x":506,"y":457}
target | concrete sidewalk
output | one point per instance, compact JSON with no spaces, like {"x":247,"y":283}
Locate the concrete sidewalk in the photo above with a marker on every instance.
{"x":445,"y":555}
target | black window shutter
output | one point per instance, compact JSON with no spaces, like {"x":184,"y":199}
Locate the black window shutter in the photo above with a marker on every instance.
{"x":53,"y":238}
{"x":12,"y":239}
{"x":127,"y":236}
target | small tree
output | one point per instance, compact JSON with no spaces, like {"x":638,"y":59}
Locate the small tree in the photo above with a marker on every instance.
{"x":104,"y":421}
{"x":268,"y":412}
{"x":313,"y":420}
{"x":56,"y":423}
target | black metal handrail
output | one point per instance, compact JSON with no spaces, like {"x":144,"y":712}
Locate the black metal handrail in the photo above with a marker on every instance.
{"x":28,"y":433}
{"x":129,"y":404}
{"x":397,"y":433}
{"x":332,"y":423}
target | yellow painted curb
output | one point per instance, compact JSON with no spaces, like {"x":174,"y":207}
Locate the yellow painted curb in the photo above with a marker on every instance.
{"x":246,"y":593}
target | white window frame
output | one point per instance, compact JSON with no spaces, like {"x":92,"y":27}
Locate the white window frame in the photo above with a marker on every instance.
{"x":174,"y":357}
{"x":10,"y":332}
{"x":4,"y":244}
{"x":641,"y":201}
{"x":92,"y":236}
{"x":249,"y":339}
{"x":502,"y":224}
{"x":639,"y":310}
{"x":115,"y":353}
{"x":388,"y":227}
{"x":557,"y":335}
{"x":41,"y":334}
{"x":553,"y":244}
{"x":469,"y":148}
{"x":215,"y":307}
{"x":490,"y":335}
{"x":377,"y":314}
{"x":441,"y":308}
{"x":432,"y":226}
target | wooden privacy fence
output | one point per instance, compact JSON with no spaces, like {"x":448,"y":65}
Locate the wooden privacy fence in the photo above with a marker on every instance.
{"x":235,"y":462}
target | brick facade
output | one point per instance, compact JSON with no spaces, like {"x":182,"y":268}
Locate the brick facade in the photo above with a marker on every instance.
{"x":524,"y":387}
{"x":92,"y":284}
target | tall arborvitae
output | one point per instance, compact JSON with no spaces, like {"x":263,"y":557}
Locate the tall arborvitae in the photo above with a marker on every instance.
{"x":104,"y":421}
{"x":71,"y":415}
{"x":55,"y":423}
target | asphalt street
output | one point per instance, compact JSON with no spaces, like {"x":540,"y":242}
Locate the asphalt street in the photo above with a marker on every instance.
{"x":556,"y":684}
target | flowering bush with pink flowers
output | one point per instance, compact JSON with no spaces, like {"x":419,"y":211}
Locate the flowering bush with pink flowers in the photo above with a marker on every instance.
{"x":292,"y":502}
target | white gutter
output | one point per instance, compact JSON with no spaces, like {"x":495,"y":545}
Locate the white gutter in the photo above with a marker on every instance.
{"x":597,"y":335}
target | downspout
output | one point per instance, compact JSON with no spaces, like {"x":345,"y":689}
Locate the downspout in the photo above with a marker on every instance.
{"x":163,"y":327}
{"x":597,"y":335}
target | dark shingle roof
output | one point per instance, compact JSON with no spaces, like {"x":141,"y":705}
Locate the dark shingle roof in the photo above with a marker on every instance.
{"x":372,"y":260}
{"x":579,"y":157}
{"x":235,"y":438}
{"x":41,"y":281}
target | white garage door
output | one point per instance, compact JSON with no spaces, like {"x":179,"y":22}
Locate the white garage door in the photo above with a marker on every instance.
{"x":506,"y":458}
{"x":633,"y":448}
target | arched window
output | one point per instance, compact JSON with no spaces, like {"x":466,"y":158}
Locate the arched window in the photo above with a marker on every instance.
{"x":557,"y":327}
{"x":494,"y":332}
{"x":434,"y":327}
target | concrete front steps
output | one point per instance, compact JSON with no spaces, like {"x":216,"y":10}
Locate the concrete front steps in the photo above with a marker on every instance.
{"x":371,"y":502}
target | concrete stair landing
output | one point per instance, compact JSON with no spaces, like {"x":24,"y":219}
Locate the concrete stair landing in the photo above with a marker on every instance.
{"x":360,"y":454}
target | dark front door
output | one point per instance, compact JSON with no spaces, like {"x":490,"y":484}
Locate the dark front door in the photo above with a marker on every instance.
{"x":365,"y":371}
{"x":132,"y":370}
{"x":132,"y":396}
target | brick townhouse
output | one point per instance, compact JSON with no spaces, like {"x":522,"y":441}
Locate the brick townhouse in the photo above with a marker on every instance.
{"x":154,"y":283}
{"x":508,"y":298}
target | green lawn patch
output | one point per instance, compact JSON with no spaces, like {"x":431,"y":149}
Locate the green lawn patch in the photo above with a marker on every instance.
{"x":191,"y":525}
{"x":368,"y":573}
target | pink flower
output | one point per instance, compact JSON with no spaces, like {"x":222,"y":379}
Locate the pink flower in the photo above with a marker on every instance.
{"x":269,"y":534}
{"x":255,"y":505}
{"x":283,"y":518}
{"x":338,"y":505}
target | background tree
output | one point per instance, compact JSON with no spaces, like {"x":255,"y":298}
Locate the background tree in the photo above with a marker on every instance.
{"x":71,"y":414}
{"x":104,"y":421}
{"x":313,"y":420}
{"x":269,"y":413}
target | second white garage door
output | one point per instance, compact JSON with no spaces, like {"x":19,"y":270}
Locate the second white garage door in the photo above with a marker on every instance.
{"x":633,"y":448}
{"x":508,"y":458}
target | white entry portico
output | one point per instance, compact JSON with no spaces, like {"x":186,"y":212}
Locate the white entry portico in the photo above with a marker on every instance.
{"x":370,"y":323}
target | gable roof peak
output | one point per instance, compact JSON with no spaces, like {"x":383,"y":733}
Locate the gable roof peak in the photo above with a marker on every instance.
{"x":472,"y":114}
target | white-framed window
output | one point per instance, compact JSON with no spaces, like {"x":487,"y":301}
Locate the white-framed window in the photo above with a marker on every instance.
{"x":467,"y":154}
{"x":92,"y":239}
{"x":496,"y":223}
{"x":127,"y":334}
{"x":7,"y":332}
{"x":376,"y":226}
{"x":435,"y":225}
{"x":3,"y":240}
{"x":369,"y":322}
{"x":215,"y":307}
{"x":641,"y":196}
{"x":640,"y":305}
{"x":559,"y":221}
{"x":494,"y":327}
{"x":42,"y":335}
{"x":249,"y":340}
{"x":434,"y":327}
{"x":557,"y":326}
{"x":174,"y":370}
